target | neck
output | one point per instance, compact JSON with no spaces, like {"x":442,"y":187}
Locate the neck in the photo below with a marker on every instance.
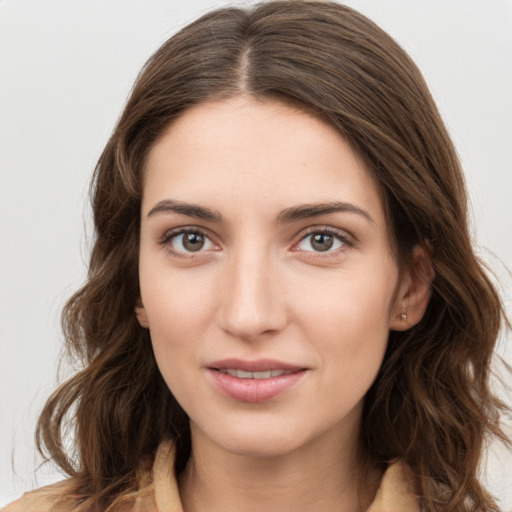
{"x":322,"y":476}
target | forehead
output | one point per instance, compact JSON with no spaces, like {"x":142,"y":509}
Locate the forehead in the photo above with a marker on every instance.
{"x":251,"y":155}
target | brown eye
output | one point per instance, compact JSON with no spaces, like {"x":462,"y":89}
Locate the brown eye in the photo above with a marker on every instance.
{"x":190,"y":241}
{"x":322,"y":241}
{"x":193,"y":241}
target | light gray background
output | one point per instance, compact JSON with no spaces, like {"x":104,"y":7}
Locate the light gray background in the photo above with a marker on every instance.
{"x":65,"y":71}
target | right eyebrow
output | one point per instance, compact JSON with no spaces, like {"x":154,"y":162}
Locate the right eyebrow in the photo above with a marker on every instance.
{"x":188,"y":209}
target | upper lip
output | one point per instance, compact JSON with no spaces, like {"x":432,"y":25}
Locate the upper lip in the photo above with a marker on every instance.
{"x":259,"y":365}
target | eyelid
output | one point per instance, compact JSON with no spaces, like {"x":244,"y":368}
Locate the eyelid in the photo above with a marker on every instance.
{"x":346,"y":239}
{"x":166,"y":239}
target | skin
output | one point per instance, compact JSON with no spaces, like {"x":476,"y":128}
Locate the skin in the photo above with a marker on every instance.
{"x":262,"y":288}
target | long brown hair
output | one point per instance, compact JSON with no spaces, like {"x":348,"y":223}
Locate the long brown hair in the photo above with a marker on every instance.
{"x":431,"y":404}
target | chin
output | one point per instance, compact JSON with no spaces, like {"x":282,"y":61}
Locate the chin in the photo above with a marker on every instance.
{"x":255,"y":439}
{"x":260,"y":446}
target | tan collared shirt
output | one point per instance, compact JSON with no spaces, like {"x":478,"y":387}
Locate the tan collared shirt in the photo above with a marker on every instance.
{"x":160,"y":491}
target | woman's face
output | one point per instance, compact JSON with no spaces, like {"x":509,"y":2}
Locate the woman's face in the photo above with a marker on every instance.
{"x":267,"y":278}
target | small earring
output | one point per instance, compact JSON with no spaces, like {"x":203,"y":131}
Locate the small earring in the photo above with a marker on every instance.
{"x":403,"y":316}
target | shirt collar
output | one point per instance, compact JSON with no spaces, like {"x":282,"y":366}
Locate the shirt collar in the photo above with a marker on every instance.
{"x":395,"y":493}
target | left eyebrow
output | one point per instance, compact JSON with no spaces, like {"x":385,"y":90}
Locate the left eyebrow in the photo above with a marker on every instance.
{"x":306,"y":211}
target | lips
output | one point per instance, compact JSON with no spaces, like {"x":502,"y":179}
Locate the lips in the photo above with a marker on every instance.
{"x":254,"y":381}
{"x":242,"y":374}
{"x":260,"y":365}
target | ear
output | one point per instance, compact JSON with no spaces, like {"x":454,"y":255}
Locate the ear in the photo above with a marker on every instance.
{"x":140,"y":312}
{"x":414,"y":292}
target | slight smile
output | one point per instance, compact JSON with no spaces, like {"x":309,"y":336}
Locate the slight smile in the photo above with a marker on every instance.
{"x":254,"y":381}
{"x":242,"y":374}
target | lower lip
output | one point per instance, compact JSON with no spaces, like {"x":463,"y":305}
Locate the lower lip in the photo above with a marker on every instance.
{"x":254,"y":390}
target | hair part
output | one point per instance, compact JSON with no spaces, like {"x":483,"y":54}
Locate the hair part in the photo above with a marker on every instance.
{"x":431,"y":404}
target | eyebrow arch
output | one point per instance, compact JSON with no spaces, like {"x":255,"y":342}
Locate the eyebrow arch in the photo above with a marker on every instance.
{"x":287,"y":216}
{"x":305,"y":211}
{"x":188,"y":209}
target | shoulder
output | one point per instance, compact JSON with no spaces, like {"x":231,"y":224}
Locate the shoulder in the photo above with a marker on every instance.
{"x":59,"y":497}
{"x":157,"y":490}
{"x":52,"y":498}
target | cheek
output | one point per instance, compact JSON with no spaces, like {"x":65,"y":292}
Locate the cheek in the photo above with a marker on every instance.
{"x":176,"y":297}
{"x":359,"y":298}
{"x":347,"y":315}
{"x":179,"y":308}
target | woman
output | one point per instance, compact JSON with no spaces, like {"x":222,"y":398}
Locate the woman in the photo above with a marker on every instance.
{"x":283,"y":301}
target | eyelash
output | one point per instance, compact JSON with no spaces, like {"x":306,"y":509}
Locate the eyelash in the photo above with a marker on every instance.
{"x":346,"y":240}
{"x":170,"y":235}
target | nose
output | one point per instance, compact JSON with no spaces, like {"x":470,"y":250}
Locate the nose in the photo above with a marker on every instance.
{"x":252,"y":303}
